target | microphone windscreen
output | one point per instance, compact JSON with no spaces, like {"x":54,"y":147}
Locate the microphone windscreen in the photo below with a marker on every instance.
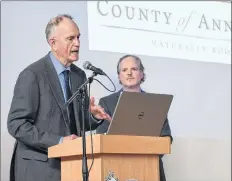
{"x":86,"y":64}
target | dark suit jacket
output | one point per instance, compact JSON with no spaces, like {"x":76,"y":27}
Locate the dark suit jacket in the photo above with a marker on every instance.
{"x":109,"y":103}
{"x":37,"y":120}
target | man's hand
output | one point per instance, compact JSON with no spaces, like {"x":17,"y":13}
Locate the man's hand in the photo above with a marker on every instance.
{"x":98,"y":112}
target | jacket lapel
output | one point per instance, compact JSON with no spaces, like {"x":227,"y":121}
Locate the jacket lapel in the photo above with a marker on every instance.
{"x":53,"y":80}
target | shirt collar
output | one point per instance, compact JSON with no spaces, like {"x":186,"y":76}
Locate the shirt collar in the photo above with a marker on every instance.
{"x":58,"y":66}
{"x":123,"y":90}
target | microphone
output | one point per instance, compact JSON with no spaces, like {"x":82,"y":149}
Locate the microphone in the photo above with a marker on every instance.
{"x":88,"y":66}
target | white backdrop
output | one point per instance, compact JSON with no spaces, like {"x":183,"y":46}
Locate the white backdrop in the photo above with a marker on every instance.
{"x":200,"y":115}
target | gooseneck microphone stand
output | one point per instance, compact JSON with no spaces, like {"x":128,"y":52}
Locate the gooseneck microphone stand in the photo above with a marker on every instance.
{"x":81,"y":91}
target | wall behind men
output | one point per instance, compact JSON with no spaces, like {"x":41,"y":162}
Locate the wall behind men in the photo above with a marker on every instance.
{"x":199,"y":115}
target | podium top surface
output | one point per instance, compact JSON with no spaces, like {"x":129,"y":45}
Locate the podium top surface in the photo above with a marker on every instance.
{"x":112,"y":144}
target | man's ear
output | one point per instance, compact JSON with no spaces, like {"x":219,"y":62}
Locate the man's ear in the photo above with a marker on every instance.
{"x":142,"y":75}
{"x":52,"y":43}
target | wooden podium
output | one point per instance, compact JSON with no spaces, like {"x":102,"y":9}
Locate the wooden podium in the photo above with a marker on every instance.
{"x":128,"y":157}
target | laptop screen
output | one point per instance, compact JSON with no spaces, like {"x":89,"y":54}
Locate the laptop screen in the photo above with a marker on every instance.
{"x":140,"y":114}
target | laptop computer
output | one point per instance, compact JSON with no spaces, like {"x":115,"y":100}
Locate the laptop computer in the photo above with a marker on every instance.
{"x":140,"y":114}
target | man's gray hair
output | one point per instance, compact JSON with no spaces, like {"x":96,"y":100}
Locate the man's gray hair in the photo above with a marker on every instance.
{"x":138,"y":60}
{"x":55,"y":22}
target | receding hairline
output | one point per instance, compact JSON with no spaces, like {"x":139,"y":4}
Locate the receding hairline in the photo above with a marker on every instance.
{"x":64,"y":23}
{"x":126,"y":58}
{"x":56,"y":22}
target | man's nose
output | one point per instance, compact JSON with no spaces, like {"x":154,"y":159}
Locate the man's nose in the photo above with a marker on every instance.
{"x":77,"y":42}
{"x":129,"y":72}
